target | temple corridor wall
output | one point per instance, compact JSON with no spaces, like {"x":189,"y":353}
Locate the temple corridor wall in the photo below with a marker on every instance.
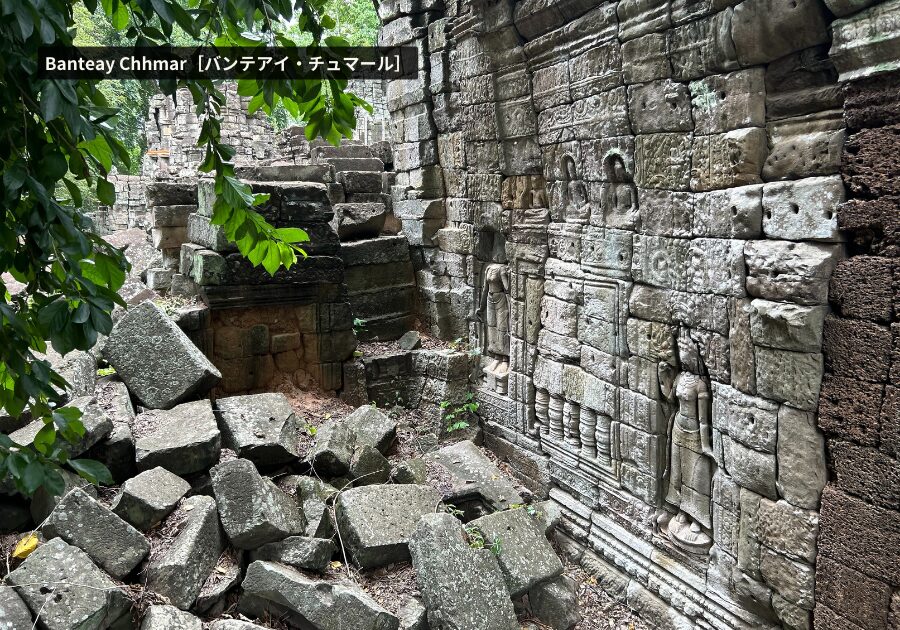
{"x":633,"y":210}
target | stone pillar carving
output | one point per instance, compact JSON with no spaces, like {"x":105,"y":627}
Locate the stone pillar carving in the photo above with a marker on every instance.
{"x":571,"y":420}
{"x":588,"y":432}
{"x":494,"y":313}
{"x":690,"y":461}
{"x":541,"y":411}
{"x":555,"y":415}
{"x":604,"y":440}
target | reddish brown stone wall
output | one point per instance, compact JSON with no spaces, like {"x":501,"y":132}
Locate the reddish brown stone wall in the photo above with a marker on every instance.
{"x":858,"y":566}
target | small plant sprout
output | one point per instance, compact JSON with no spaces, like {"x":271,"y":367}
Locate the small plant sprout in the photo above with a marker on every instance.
{"x":460,"y":416}
{"x":452,"y":509}
{"x":359,"y":326}
{"x":106,"y":371}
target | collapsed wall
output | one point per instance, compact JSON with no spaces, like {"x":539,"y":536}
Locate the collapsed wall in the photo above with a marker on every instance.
{"x":634,"y":210}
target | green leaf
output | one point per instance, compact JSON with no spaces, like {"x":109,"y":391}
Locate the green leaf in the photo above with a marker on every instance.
{"x":33,"y":476}
{"x":100,"y":150}
{"x":106,"y":192}
{"x":92,"y":470}
{"x":45,"y":438}
{"x":292,"y":235}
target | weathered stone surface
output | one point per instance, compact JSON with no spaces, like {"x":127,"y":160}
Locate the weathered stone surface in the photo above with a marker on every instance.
{"x":376,"y":521}
{"x":145,"y":500}
{"x":795,"y":581}
{"x":526,"y":557}
{"x":806,"y":209}
{"x":866,"y":43}
{"x":314,"y":496}
{"x":260,"y":427}
{"x":13,"y":611}
{"x":462,"y":588}
{"x":42,"y":503}
{"x":802,"y":472}
{"x":157,"y":361}
{"x":322,"y":605}
{"x":555,"y":603}
{"x":796,"y":272}
{"x":183,"y":440}
{"x":369,"y":425}
{"x":234,"y":624}
{"x":331,"y":453}
{"x":168,"y":617}
{"x":368,"y":466}
{"x":96,"y":427}
{"x":113,"y":544}
{"x":252,"y":509}
{"x":787,"y":326}
{"x":788,"y":530}
{"x":359,"y":220}
{"x":413,"y":615}
{"x":297,"y":551}
{"x":410,"y":471}
{"x":791,"y":377}
{"x":61,"y":582}
{"x":179,"y":573}
{"x":474,"y":475}
{"x":764,"y":30}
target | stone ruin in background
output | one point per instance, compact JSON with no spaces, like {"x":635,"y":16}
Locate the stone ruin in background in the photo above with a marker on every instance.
{"x":670,"y":228}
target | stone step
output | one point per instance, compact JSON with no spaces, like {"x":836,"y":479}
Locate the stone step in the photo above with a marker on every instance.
{"x":343,"y":151}
{"x":285,"y":173}
{"x":355,"y":164}
{"x":359,"y":220}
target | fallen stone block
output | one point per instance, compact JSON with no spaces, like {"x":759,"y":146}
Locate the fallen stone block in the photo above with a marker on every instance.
{"x":13,"y":611}
{"x":260,"y":427}
{"x":410,"y":471}
{"x":183,"y":440}
{"x":371,"y":426}
{"x":359,"y":220}
{"x":555,"y":603}
{"x":96,"y":427}
{"x":225,"y":576}
{"x":111,"y":543}
{"x":440,"y":556}
{"x":413,"y":615}
{"x":376,"y":521}
{"x":252,"y":509}
{"x":330,"y":455}
{"x":234,"y":624}
{"x":158,"y":362}
{"x":301,"y":552}
{"x":178,"y":570}
{"x":42,"y":503}
{"x":60,"y":581}
{"x":169,"y":618}
{"x":368,"y":466}
{"x":314,"y":497}
{"x":305,"y":602}
{"x":526,"y":557}
{"x":116,"y":450}
{"x":473,"y":477}
{"x":145,"y":500}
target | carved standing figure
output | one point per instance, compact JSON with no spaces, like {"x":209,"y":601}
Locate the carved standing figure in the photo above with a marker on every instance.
{"x":493,"y":312}
{"x":690,"y":457}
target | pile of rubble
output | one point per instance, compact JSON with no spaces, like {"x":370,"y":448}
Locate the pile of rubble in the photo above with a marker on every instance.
{"x":229,"y":512}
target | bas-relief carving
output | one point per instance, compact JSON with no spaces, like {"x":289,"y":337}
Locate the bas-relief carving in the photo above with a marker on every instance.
{"x":618,"y":194}
{"x":494,"y":315}
{"x":573,"y":194}
{"x":686,"y":517}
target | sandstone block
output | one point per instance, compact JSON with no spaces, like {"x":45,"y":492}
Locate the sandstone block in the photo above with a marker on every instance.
{"x":160,"y":365}
{"x":183,"y":440}
{"x":145,"y":500}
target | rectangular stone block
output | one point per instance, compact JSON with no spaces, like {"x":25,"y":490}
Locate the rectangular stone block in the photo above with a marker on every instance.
{"x":663,"y":160}
{"x":729,"y":213}
{"x":787,"y":326}
{"x":730,"y":159}
{"x":806,"y":209}
{"x":791,"y":377}
{"x":659,"y":106}
{"x":596,"y":70}
{"x":646,"y":58}
{"x":857,"y":349}
{"x":726,"y":102}
{"x":786,"y":271}
{"x":747,"y":419}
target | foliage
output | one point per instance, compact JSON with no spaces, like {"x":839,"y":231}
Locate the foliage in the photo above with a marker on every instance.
{"x":477,"y":541}
{"x":57,"y":136}
{"x":460,"y":416}
{"x":359,"y":326}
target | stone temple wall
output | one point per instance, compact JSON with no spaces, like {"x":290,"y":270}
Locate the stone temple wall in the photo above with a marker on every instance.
{"x":635,"y":210}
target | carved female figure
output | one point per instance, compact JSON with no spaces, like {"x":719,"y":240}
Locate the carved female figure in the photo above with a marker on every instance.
{"x":690,"y":459}
{"x":493,"y":312}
